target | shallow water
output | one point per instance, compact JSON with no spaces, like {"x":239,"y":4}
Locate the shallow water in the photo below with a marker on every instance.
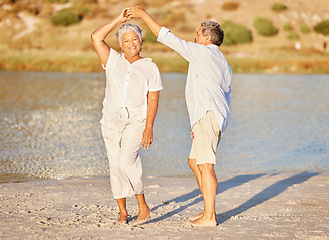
{"x":49,"y":126}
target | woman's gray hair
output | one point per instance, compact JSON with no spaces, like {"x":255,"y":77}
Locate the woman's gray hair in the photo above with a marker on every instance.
{"x":213,"y":30}
{"x":127,"y":28}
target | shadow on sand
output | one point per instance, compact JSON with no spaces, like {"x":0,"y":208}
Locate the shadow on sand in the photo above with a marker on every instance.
{"x":266,"y":194}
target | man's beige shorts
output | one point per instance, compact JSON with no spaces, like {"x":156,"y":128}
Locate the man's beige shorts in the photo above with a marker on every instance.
{"x":206,"y":138}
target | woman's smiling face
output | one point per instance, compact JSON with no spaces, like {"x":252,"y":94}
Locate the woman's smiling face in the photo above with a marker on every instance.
{"x":131,"y":44}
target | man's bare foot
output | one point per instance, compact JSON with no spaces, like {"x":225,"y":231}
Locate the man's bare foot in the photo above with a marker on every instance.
{"x":198,"y":216}
{"x":204,"y":222}
{"x":195,"y":217}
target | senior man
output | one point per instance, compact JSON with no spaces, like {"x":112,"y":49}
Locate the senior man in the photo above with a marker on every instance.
{"x":207,"y":94}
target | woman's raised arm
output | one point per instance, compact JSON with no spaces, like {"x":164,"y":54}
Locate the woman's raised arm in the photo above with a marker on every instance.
{"x":99,"y":35}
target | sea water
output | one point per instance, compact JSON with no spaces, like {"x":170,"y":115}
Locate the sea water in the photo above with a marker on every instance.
{"x":49,"y":126}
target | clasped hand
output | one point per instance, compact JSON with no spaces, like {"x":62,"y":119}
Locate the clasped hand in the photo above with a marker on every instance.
{"x":130,"y":13}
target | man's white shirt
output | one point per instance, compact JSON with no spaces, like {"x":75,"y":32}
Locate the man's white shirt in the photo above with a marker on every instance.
{"x":208,"y":85}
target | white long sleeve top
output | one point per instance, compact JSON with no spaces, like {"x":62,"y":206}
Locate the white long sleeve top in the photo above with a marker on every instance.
{"x":208,"y":85}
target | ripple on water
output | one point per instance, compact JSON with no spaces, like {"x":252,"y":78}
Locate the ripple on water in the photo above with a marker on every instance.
{"x":50,"y":126}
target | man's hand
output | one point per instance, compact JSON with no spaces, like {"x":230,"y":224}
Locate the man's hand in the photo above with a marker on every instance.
{"x":147,"y":138}
{"x":138,"y":12}
{"x":135,"y":12}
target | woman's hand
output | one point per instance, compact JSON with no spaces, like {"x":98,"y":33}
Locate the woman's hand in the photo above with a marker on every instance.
{"x":147,"y":138}
{"x":123,"y":16}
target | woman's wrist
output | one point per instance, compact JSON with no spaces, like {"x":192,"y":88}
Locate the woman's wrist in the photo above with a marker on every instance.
{"x":149,"y":127}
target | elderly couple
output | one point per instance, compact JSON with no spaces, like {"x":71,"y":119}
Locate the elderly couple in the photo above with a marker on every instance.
{"x":131,"y":102}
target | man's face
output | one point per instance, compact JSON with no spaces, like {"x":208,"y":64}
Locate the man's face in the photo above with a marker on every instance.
{"x":200,"y":38}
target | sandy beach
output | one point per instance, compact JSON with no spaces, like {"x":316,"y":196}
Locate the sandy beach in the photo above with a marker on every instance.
{"x":258,"y":206}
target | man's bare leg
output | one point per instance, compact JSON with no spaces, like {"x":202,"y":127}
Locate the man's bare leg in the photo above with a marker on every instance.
{"x":197,"y":174}
{"x":209,"y":191}
{"x":123,"y":214}
{"x":143,"y":210}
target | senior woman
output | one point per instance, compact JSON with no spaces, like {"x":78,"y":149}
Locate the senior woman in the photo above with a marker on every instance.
{"x":129,"y":109}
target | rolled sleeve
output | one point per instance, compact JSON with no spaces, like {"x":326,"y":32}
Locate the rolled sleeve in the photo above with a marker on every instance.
{"x":156,"y":83}
{"x":163,"y":32}
{"x":113,"y":54}
{"x":189,"y":50}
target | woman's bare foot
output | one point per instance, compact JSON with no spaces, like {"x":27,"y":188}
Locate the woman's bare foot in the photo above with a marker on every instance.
{"x":143,"y":214}
{"x":123,"y":219}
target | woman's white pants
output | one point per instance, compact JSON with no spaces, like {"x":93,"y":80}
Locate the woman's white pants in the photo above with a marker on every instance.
{"x":122,"y":131}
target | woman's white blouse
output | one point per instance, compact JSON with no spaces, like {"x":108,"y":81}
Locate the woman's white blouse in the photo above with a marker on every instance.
{"x":127,"y":84}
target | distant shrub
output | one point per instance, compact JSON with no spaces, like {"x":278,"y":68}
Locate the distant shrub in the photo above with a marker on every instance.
{"x":265,"y":27}
{"x":83,"y":11}
{"x":235,"y":33}
{"x":65,"y":17}
{"x":293,"y":35}
{"x":88,"y":8}
{"x":149,"y":37}
{"x":279,"y":7}
{"x":304,"y":28}
{"x":56,"y":1}
{"x":287,"y":27}
{"x":230,"y":6}
{"x":322,"y":27}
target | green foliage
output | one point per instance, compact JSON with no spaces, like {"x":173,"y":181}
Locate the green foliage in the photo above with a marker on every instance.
{"x":304,"y":28}
{"x":65,"y":17}
{"x":279,"y":7}
{"x":230,"y":6}
{"x":149,"y":37}
{"x":287,"y":27}
{"x":89,"y":9}
{"x":322,"y":27}
{"x":56,"y":1}
{"x":235,"y":33}
{"x":264,"y":27}
{"x":292,"y":35}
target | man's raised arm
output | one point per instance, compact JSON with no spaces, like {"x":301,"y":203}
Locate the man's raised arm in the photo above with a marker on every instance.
{"x":138,"y":12}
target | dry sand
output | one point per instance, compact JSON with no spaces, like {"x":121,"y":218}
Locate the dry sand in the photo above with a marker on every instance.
{"x":260,"y":206}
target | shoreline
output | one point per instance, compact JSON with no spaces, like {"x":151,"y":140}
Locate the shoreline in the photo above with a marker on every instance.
{"x":88,"y":62}
{"x":290,"y":205}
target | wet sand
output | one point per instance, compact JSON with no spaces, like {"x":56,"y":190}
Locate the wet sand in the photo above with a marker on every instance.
{"x":259,"y":206}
